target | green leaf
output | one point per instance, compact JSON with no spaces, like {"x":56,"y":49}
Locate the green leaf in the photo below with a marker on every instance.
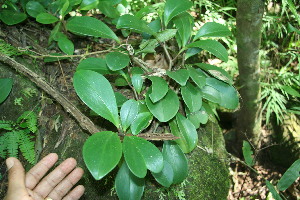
{"x":96,"y":92}
{"x":107,"y":8}
{"x":128,"y":186}
{"x":217,"y":72}
{"x":184,"y":23}
{"x":159,"y":88}
{"x":128,"y":113}
{"x":120,"y":98}
{"x":165,"y":177}
{"x":166,"y":35}
{"x":34,"y":8}
{"x":290,"y":176}
{"x":186,"y":131}
{"x":90,"y":26}
{"x":11,"y":17}
{"x":174,"y":8}
{"x":141,"y":155}
{"x":198,"y":117}
{"x":273,"y":191}
{"x":210,"y":112}
{"x":101,"y":153}
{"x":26,"y":146}
{"x":144,"y":11}
{"x":197,"y":76}
{"x":5,"y":88}
{"x":211,"y":94}
{"x":229,"y":96}
{"x":192,"y":97}
{"x":212,"y":46}
{"x":290,"y":91}
{"x":176,"y":158}
{"x":212,"y":29}
{"x":248,"y":153}
{"x":66,"y":45}
{"x":46,"y":18}
{"x":180,"y":76}
{"x":191,"y":52}
{"x":94,"y":64}
{"x":135,"y":24}
{"x":291,"y":28}
{"x":166,"y":108}
{"x":137,"y":82}
{"x":88,"y":4}
{"x":141,"y":122}
{"x":117,"y":60}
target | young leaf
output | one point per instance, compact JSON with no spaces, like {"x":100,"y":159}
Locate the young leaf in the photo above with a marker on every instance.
{"x":94,"y":64}
{"x":137,"y":82}
{"x":135,"y":24}
{"x":290,"y":176}
{"x":197,"y":76}
{"x":96,"y":92}
{"x":176,"y":158}
{"x":273,"y":191}
{"x":34,"y":8}
{"x":88,"y":4}
{"x":184,"y":23}
{"x":141,"y":122}
{"x":212,"y":29}
{"x":128,"y":113}
{"x":211,"y":94}
{"x":11,"y":17}
{"x":101,"y":153}
{"x":117,"y":60}
{"x":159,"y":88}
{"x":46,"y":18}
{"x":248,"y":153}
{"x":180,"y":76}
{"x":128,"y":186}
{"x":174,"y":8}
{"x":5,"y":88}
{"x":66,"y":45}
{"x":91,"y":27}
{"x":141,"y":155}
{"x":165,"y":177}
{"x":192,"y":97}
{"x":212,"y":46}
{"x":166,"y":108}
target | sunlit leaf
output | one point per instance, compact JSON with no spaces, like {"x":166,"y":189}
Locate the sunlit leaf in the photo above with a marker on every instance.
{"x":174,"y":8}
{"x":117,"y":60}
{"x":212,"y":29}
{"x":184,"y":23}
{"x":180,"y":76}
{"x":192,"y":97}
{"x":197,"y":76}
{"x":135,"y":24}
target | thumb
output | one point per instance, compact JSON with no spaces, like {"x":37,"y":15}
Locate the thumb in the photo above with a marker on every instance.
{"x":16,"y":175}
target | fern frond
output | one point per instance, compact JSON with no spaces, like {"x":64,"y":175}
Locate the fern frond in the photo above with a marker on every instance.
{"x":28,"y":120}
{"x":3,"y":146}
{"x":7,"y":125}
{"x":27,"y":146}
{"x":12,"y":139}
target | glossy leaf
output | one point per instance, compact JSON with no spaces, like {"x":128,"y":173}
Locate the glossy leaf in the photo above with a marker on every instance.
{"x":128,"y":113}
{"x":184,"y":23}
{"x":101,"y":153}
{"x":290,"y":176}
{"x":90,"y":26}
{"x":180,"y":76}
{"x":211,"y":94}
{"x":198,"y":117}
{"x":128,"y":186}
{"x":5,"y":88}
{"x":192,"y":97}
{"x":94,"y":64}
{"x":134,"y":23}
{"x":66,"y":46}
{"x":96,"y":92}
{"x":159,"y":88}
{"x":176,"y":158}
{"x":141,"y":155}
{"x":212,"y":29}
{"x":34,"y":8}
{"x":186,"y":131}
{"x":212,"y":46}
{"x":248,"y":153}
{"x":117,"y":60}
{"x":141,"y":122}
{"x":88,"y":4}
{"x":11,"y":17}
{"x":166,"y":108}
{"x":273,"y":191}
{"x":228,"y":94}
{"x":165,"y":177}
{"x":174,"y":8}
{"x":197,"y":76}
{"x":217,"y":72}
{"x":46,"y":18}
{"x":137,"y":82}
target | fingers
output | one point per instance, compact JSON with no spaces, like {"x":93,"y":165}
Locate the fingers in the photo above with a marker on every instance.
{"x":75,"y":194}
{"x":66,"y":184}
{"x":35,"y":174}
{"x":55,"y":177}
{"x":16,"y":174}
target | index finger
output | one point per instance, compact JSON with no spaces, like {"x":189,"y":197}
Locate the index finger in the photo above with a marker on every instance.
{"x":35,"y":174}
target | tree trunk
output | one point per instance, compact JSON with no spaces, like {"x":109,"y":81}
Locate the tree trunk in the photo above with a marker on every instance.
{"x":249,"y":23}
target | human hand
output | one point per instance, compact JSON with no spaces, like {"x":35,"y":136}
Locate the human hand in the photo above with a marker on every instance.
{"x":55,"y":186}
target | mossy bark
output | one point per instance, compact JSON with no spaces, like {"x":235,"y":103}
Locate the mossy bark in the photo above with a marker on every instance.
{"x":249,"y":23}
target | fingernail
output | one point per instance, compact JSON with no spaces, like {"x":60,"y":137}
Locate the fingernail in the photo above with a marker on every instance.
{"x":9,"y":163}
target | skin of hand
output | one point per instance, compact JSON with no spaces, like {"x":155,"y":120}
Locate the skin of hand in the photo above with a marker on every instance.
{"x":34,"y":186}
